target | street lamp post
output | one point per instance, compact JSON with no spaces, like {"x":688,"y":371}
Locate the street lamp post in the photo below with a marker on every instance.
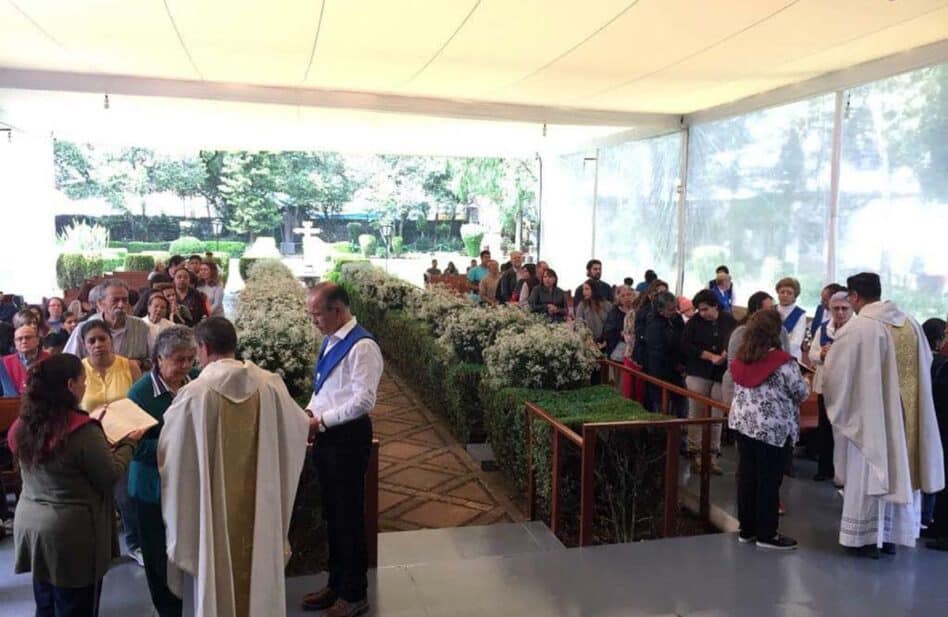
{"x":217,"y":226}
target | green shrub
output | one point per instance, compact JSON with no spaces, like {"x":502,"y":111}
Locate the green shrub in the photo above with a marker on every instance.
{"x":462,"y":394}
{"x":82,"y":237}
{"x":472,"y":235}
{"x":188,"y":245}
{"x":354,"y":229}
{"x":629,"y":476}
{"x":442,"y":230}
{"x":340,"y":260}
{"x":341,"y":247}
{"x":140,"y":247}
{"x":139,"y":263}
{"x":398,"y":245}
{"x":381,"y":251}
{"x":72,"y":269}
{"x":231,"y":248}
{"x":367,"y":243}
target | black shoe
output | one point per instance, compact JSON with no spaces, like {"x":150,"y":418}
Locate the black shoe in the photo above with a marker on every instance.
{"x":870,"y":550}
{"x":746,"y":539}
{"x":929,"y":533}
{"x":888,"y":548}
{"x":941,"y":544}
{"x":778,"y":543}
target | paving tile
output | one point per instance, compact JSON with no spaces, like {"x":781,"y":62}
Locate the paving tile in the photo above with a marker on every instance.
{"x":402,"y":450}
{"x":389,"y":499}
{"x":421,"y":479}
{"x":439,"y":514}
{"x":388,"y":427}
{"x":450,"y":461}
{"x":472,"y":491}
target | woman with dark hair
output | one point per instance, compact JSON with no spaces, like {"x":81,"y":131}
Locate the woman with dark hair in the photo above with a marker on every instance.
{"x":528,"y":281}
{"x":643,"y":308}
{"x":759,"y":301}
{"x":765,"y":414}
{"x":592,"y":310}
{"x":549,"y":299}
{"x":65,"y":527}
{"x":451,"y":269}
{"x":211,"y":287}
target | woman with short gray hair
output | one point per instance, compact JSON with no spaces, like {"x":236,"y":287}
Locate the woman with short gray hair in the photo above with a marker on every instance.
{"x":173,"y":357}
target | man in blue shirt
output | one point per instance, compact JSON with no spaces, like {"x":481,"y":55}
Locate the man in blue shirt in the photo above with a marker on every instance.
{"x":475,"y":275}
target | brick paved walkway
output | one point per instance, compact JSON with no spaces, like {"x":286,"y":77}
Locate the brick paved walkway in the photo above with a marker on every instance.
{"x":426,"y":477}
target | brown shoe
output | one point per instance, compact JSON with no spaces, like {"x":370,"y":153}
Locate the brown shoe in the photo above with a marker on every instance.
{"x":347,"y":609}
{"x":716,"y":466}
{"x":319,"y":600}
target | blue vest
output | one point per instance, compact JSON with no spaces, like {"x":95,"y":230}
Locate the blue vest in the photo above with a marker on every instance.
{"x":825,"y":338}
{"x":791,"y":322}
{"x":817,"y":320}
{"x":725,"y":298}
{"x":328,"y":361}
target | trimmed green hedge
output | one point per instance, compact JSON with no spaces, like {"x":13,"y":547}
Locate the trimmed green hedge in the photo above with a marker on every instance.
{"x":139,"y":247}
{"x":188,"y":245}
{"x":233,"y":248}
{"x":72,"y":269}
{"x":629,"y":464}
{"x":139,"y":263}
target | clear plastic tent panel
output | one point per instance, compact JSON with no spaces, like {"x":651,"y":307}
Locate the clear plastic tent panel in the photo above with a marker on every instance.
{"x":893,"y":201}
{"x":568,"y":196}
{"x":758,"y":199}
{"x":637,"y":209}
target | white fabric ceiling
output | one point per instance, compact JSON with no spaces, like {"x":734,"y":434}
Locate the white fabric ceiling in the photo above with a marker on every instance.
{"x":617,"y":58}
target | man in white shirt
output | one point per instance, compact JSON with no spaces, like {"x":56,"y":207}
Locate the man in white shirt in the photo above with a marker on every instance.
{"x":345,"y":383}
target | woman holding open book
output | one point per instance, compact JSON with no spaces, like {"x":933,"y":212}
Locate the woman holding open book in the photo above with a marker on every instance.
{"x":108,"y":379}
{"x":65,"y":527}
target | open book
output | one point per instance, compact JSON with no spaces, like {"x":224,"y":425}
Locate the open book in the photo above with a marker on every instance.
{"x":119,"y":418}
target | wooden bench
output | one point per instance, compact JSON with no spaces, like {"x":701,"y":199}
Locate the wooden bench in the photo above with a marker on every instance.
{"x":457,"y":282}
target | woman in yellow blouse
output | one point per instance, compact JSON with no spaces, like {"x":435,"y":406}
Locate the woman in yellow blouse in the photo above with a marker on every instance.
{"x":108,"y":376}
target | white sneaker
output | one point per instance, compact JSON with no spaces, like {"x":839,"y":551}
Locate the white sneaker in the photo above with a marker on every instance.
{"x":136,"y":555}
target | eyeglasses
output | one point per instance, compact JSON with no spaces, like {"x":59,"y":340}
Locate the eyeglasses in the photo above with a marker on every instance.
{"x":27,"y":337}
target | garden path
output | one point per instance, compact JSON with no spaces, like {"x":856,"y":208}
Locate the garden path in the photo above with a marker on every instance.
{"x":426,"y":477}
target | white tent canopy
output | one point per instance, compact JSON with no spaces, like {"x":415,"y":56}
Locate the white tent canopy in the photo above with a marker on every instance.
{"x":422,"y":76}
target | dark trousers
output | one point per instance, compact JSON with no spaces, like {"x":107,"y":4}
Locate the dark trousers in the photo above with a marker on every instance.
{"x":824,"y":442}
{"x":52,"y":601}
{"x":759,"y":471}
{"x":341,"y":455}
{"x":126,"y":509}
{"x":151,"y":534}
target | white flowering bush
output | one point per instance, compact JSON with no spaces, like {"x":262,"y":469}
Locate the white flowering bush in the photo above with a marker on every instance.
{"x":377,"y":285}
{"x":437,"y":304}
{"x":273,"y":325}
{"x":468,"y":333}
{"x":542,"y":355}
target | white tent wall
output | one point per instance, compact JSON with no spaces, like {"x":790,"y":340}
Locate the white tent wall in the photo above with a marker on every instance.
{"x":761,"y":197}
{"x":28,"y":249}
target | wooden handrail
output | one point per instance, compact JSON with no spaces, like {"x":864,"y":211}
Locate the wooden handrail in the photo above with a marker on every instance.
{"x":668,"y":386}
{"x":556,"y":424}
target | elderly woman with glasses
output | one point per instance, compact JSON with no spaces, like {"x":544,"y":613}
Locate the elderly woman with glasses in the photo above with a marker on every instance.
{"x":173,"y":362}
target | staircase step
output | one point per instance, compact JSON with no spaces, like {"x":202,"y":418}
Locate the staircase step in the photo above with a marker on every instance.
{"x":401,"y":548}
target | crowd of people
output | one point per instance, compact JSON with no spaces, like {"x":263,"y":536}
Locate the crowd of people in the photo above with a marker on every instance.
{"x":204,"y":496}
{"x":880,"y":381}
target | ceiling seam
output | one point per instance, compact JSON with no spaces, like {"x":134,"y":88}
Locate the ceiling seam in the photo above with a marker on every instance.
{"x":830,"y":47}
{"x":697,"y":53}
{"x":184,"y":47}
{"x":576,"y":46}
{"x":441,"y":49}
{"x":49,"y":35}
{"x":312,"y":51}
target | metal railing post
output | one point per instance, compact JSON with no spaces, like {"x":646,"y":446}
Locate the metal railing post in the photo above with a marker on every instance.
{"x":555,"y":484}
{"x":531,"y":485}
{"x":670,"y":514}
{"x":587,"y":489}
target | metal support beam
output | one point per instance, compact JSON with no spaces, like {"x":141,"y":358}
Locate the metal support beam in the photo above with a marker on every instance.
{"x":682,"y":196}
{"x":832,"y":228}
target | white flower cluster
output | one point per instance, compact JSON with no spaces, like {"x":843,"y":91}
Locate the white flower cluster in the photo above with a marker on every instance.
{"x":543,"y":355}
{"x":436,"y":305}
{"x":469,"y":333}
{"x":389,"y":292}
{"x":273,"y":326}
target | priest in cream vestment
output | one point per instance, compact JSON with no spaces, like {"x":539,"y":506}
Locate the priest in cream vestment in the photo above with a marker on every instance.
{"x":877,"y":387}
{"x":230,"y":457}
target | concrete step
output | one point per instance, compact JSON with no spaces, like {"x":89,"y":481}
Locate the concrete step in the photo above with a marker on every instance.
{"x":401,"y":548}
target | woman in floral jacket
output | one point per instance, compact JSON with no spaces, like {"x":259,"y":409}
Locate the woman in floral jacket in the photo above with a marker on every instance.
{"x":768,"y":390}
